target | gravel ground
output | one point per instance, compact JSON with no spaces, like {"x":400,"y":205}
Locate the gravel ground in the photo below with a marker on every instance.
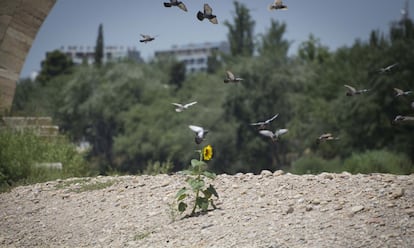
{"x":266,"y":210}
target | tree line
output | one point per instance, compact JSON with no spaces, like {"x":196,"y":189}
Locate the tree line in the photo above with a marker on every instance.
{"x":124,"y":109}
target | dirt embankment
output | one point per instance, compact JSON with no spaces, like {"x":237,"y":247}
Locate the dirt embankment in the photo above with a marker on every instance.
{"x":267,"y":210}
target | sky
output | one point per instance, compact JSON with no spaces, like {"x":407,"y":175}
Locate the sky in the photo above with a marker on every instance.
{"x":336,"y":23}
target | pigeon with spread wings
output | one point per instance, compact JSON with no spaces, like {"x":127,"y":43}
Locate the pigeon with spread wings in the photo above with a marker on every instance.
{"x":177,"y":3}
{"x":387,"y":68}
{"x":262,"y":124}
{"x":400,"y":92}
{"x":278,"y":4}
{"x":200,"y":133}
{"x":230,"y":78}
{"x":273,"y":135}
{"x":182,"y":107}
{"x":146,"y":38}
{"x":207,"y":13}
{"x":352,"y":91}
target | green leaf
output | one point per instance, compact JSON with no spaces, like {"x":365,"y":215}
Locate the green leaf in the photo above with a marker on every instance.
{"x":182,"y":206}
{"x":196,"y":184}
{"x":212,"y":190}
{"x":202,"y":203}
{"x":207,"y":194}
{"x":181,"y":192}
{"x":196,"y":164}
{"x":209,"y":174}
{"x":182,"y":197}
{"x":187,"y":172}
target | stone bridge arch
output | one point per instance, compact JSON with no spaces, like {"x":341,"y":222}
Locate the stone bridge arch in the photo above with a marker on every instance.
{"x":20,"y":21}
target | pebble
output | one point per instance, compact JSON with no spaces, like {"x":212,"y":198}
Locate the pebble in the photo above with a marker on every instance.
{"x":266,"y":173}
{"x":357,"y":209}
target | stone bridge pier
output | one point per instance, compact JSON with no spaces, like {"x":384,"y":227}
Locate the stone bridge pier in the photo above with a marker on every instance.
{"x":20,"y":21}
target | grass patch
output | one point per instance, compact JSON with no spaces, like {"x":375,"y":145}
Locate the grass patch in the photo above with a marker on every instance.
{"x":82,"y":185}
{"x":141,"y":235}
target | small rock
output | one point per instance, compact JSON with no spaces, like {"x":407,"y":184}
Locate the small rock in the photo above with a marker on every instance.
{"x":65,"y":196}
{"x":290,"y":210}
{"x":410,"y":212}
{"x":327,"y":175}
{"x":266,"y":173}
{"x":316,"y":201}
{"x":278,"y":173}
{"x":338,"y":207}
{"x":357,"y":209}
{"x":309,"y":208}
{"x":397,"y":193}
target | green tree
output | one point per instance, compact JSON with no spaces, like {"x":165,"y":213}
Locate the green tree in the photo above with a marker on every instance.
{"x":177,"y":74}
{"x":240,"y":34}
{"x":99,"y":47}
{"x":272,"y":42}
{"x":55,"y":64}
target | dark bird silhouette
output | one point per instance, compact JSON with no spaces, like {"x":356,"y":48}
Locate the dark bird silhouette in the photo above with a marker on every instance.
{"x":200,"y":133}
{"x":399,"y":92}
{"x":146,"y":38}
{"x":208,"y":14}
{"x":278,"y":4}
{"x":387,"y":68}
{"x":352,"y":91}
{"x":262,"y":124}
{"x":231,"y":78}
{"x":177,"y":3}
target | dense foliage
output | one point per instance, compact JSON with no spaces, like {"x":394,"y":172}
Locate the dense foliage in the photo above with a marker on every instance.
{"x":124,"y":109}
{"x":20,"y":152}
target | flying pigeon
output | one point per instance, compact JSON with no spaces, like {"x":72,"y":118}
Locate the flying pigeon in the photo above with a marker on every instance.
{"x":387,"y":68}
{"x":200,"y":133}
{"x":326,"y":137}
{"x":352,"y":91}
{"x":146,"y":38}
{"x":208,"y":13}
{"x":177,"y":3}
{"x":262,"y":124}
{"x":231,"y":78}
{"x":399,"y":92}
{"x":278,"y":4}
{"x":182,"y":107}
{"x":400,"y":119}
{"x":274,"y":136}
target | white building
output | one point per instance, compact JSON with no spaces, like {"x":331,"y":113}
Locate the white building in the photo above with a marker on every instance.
{"x":195,"y":56}
{"x":81,"y":54}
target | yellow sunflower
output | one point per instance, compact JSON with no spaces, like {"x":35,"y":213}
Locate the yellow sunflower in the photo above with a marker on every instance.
{"x":207,"y":153}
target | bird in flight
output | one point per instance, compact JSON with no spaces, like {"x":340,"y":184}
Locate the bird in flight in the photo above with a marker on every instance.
{"x":146,"y":38}
{"x":182,"y":107}
{"x":231,"y":78}
{"x":273,"y":135}
{"x":387,"y":68}
{"x":278,"y":4}
{"x":263,"y":124}
{"x":200,"y":133}
{"x":207,"y":13}
{"x":401,"y":118}
{"x":177,"y":3}
{"x":326,"y":137}
{"x":400,"y":92}
{"x":352,"y":91}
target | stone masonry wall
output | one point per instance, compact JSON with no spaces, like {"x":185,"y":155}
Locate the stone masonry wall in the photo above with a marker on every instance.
{"x":20,"y":21}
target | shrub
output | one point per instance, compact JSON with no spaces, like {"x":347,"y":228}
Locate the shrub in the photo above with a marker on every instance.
{"x":380,"y":161}
{"x":19,"y":152}
{"x":314,"y":164}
